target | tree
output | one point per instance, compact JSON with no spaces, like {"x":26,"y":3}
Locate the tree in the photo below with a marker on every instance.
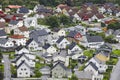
{"x":114,"y":26}
{"x":65,"y":20}
{"x":52,"y":21}
{"x":73,"y":78}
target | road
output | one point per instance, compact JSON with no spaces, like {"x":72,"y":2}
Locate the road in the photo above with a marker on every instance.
{"x":7,"y":70}
{"x":115,"y":75}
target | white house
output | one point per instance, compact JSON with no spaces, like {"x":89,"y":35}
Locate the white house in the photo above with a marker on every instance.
{"x":21,"y":49}
{"x":23,"y":70}
{"x":32,"y":45}
{"x":94,"y":41}
{"x":99,"y":64}
{"x":49,"y":49}
{"x":61,"y":32}
{"x":62,"y":42}
{"x":22,"y":31}
{"x":102,"y":9}
{"x":15,"y":24}
{"x":3,"y":33}
{"x":5,"y":42}
{"x":73,"y":47}
{"x":18,"y":39}
{"x":31,"y":21}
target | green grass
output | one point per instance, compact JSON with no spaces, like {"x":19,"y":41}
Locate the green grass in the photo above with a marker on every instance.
{"x":81,"y":68}
{"x":112,"y":61}
{"x":1,"y":67}
{"x":116,"y":52}
{"x":88,"y":53}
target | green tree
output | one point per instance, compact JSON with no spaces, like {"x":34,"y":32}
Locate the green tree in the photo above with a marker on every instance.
{"x":73,"y":77}
{"x":52,"y":21}
{"x":65,"y":20}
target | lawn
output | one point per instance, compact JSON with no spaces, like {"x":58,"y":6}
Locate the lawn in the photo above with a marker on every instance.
{"x":88,"y":53}
{"x":112,"y":61}
{"x":116,"y":52}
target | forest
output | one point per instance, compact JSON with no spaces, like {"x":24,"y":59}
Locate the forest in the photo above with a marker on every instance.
{"x":52,"y":3}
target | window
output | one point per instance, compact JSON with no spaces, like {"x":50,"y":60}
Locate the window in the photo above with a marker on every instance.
{"x":21,"y":69}
{"x":20,"y":73}
{"x":26,"y":73}
{"x":25,"y":69}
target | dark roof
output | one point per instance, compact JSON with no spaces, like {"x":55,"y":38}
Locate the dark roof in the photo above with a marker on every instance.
{"x":19,"y":48}
{"x":60,"y":39}
{"x":23,"y":62}
{"x":3,"y":40}
{"x":23,"y":10}
{"x":46,"y":46}
{"x":72,"y":34}
{"x":62,"y":65}
{"x":29,"y":41}
{"x":19,"y":56}
{"x":72,"y":45}
{"x":2,"y":33}
{"x":93,"y":65}
{"x":94,"y":38}
{"x":14,"y":22}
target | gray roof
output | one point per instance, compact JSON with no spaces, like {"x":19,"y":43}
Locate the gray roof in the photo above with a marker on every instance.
{"x":60,"y":39}
{"x":116,"y":32}
{"x":23,"y":10}
{"x":45,"y":67}
{"x":72,"y":34}
{"x":2,"y":33}
{"x":3,"y":40}
{"x":13,"y":22}
{"x":72,"y":45}
{"x":93,"y":65}
{"x":83,"y":74}
{"x":62,"y":53}
{"x":46,"y":46}
{"x":94,"y":38}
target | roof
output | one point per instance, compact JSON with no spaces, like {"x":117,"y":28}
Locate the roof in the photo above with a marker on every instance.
{"x":83,"y":74}
{"x":62,"y":53}
{"x":72,"y":34}
{"x":19,"y":48}
{"x":14,"y":22}
{"x":60,"y":39}
{"x":23,"y":10}
{"x":17,"y":36}
{"x":40,"y":32}
{"x":29,"y":41}
{"x":72,"y":45}
{"x":3,"y":40}
{"x":116,"y":32}
{"x":93,"y":65}
{"x":60,"y":64}
{"x":94,"y":38}
{"x":2,"y":24}
{"x":45,"y":67}
{"x":2,"y":33}
{"x":14,"y":6}
{"x":46,"y":46}
{"x":23,"y":28}
{"x":23,"y":62}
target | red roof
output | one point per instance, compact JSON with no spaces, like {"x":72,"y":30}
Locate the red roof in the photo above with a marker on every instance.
{"x":14,"y":6}
{"x":17,"y":36}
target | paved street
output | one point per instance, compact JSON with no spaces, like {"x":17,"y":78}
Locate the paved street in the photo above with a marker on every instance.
{"x":115,"y":75}
{"x":7,"y":73}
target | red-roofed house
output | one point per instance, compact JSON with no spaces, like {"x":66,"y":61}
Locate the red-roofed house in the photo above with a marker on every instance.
{"x":18,"y":39}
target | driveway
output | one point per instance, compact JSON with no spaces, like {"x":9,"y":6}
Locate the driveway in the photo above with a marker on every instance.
{"x":7,"y":70}
{"x":115,"y":75}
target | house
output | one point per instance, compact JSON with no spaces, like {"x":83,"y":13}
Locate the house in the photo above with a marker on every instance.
{"x":32,"y":45}
{"x":30,"y":21}
{"x":42,"y":15}
{"x":94,"y":41}
{"x":40,"y":36}
{"x":2,"y":25}
{"x":21,"y":49}
{"x":59,"y":71}
{"x":73,"y":47}
{"x":9,"y":17}
{"x":3,"y":34}
{"x":15,"y":24}
{"x":49,"y":49}
{"x":62,"y":42}
{"x":5,"y":42}
{"x":23,"y":70}
{"x":38,"y":7}
{"x":23,"y":10}
{"x":60,"y":56}
{"x":48,"y":57}
{"x":61,"y":32}
{"x":46,"y":71}
{"x":116,"y":33}
{"x":28,"y":58}
{"x":74,"y":36}
{"x":102,"y":67}
{"x":22,"y":31}
{"x":18,"y":39}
